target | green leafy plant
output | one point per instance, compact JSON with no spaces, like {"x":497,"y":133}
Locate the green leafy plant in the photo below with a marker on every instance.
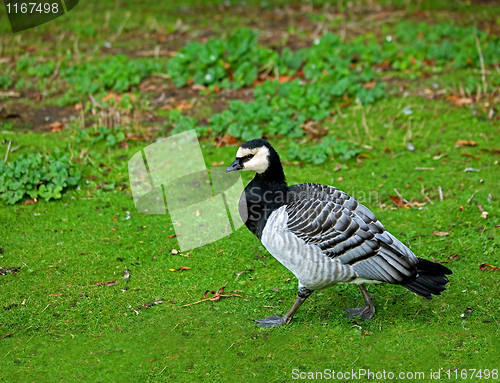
{"x":5,"y":81}
{"x":42,"y":70}
{"x":181,"y":123}
{"x":118,"y":73}
{"x":111,"y":137}
{"x":320,"y":152}
{"x":230,"y":63}
{"x":25,"y":62}
{"x":36,"y":176}
{"x":237,"y":61}
{"x":278,"y":110}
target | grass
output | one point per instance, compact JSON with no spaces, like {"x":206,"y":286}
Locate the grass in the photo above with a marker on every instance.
{"x":57,"y":324}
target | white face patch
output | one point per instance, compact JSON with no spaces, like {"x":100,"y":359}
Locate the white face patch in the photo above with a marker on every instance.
{"x":260,"y":161}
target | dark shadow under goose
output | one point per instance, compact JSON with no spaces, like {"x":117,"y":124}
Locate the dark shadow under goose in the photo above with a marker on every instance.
{"x":325,"y":237}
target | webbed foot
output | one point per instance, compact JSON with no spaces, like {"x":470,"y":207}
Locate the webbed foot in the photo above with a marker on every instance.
{"x":365,"y":312}
{"x":274,"y":320}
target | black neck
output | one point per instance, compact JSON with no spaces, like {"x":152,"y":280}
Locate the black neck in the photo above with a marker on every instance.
{"x":274,"y":173}
{"x":264,"y":194}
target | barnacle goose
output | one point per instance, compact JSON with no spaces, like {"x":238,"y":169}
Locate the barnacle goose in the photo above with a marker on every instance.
{"x":324,"y":236}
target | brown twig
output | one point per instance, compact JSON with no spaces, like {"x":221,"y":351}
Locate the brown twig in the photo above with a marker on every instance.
{"x":400,"y":196}
{"x":7,"y":154}
{"x":422,"y":191}
{"x":216,"y":297}
{"x":365,"y":125}
{"x":472,"y":196}
{"x":120,"y":28}
{"x":94,"y":101}
{"x":481,"y":61}
{"x":56,"y":72}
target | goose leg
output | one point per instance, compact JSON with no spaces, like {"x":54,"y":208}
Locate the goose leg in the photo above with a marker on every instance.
{"x":367,"y":311}
{"x":276,"y":320}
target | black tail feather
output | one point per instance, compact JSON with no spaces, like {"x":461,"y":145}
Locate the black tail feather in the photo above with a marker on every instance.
{"x":430,"y":279}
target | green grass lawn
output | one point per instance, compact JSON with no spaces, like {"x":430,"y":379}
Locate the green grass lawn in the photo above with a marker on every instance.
{"x":58,"y":324}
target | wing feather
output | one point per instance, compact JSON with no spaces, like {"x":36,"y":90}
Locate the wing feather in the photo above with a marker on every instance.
{"x":346,"y":230}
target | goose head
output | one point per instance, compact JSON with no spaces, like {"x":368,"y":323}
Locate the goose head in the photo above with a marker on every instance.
{"x":260,"y":157}
{"x":252,"y":156}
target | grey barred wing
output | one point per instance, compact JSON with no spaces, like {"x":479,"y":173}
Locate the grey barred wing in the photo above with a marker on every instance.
{"x":348,"y":231}
{"x":325,"y":193}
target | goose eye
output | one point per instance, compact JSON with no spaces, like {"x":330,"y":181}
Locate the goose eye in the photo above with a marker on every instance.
{"x":250,"y":156}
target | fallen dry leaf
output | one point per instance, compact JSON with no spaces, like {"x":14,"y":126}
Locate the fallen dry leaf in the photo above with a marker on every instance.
{"x":488,"y":267}
{"x":460,"y":143}
{"x":282,"y":79}
{"x":495,"y":151}
{"x":116,"y":97}
{"x":369,"y":85}
{"x":174,"y":251}
{"x":199,"y":87}
{"x":226,"y":140}
{"x":459,"y":101}
{"x":470,"y":155}
{"x":7,"y":335}
{"x":55,"y":126}
{"x":55,"y":295}
{"x":398,"y":201}
{"x":184,"y":105}
{"x":110,"y":283}
{"x":218,"y":163}
{"x":361,"y":156}
{"x":440,"y":233}
{"x":181,"y":268}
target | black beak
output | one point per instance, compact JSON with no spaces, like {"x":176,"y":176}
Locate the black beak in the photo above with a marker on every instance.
{"x":236,"y":165}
